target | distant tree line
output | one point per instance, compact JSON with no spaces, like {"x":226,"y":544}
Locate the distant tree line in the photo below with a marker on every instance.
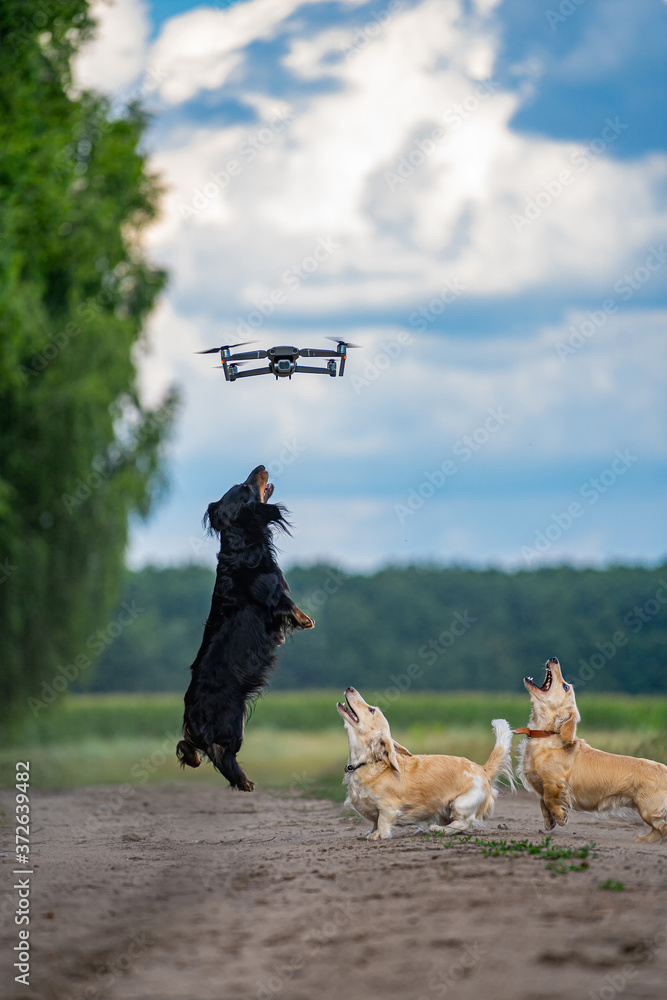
{"x":416,"y":628}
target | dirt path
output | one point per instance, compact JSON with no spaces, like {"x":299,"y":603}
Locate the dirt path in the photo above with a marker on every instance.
{"x":198,"y":893}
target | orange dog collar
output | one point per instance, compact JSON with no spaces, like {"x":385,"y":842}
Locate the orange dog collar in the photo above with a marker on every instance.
{"x":530,"y":733}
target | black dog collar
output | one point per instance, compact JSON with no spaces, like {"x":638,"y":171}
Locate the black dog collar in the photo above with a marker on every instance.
{"x":355,"y":767}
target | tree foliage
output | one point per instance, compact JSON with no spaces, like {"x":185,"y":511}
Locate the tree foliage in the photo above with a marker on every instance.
{"x":416,"y":628}
{"x":78,"y":450}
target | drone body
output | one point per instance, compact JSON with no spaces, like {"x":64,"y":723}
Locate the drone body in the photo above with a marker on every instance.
{"x":282,"y":361}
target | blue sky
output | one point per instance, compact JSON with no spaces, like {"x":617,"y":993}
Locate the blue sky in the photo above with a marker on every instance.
{"x":487,"y":180}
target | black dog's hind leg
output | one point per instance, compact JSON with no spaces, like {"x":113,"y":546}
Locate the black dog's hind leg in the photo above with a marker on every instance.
{"x":225,"y":739}
{"x":224,"y":759}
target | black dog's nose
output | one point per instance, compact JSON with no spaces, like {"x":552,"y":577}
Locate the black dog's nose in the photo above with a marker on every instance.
{"x":255,"y":472}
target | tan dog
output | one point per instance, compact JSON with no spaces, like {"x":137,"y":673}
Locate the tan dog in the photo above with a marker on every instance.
{"x":569,"y":774}
{"x":390,"y":786}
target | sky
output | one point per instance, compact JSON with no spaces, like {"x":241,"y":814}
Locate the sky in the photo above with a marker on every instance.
{"x":474,"y":192}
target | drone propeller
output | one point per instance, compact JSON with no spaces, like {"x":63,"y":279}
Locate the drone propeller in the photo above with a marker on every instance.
{"x":339,"y":340}
{"x":226,"y":347}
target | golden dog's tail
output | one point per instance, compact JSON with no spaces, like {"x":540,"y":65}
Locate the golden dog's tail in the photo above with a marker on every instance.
{"x":500,"y":759}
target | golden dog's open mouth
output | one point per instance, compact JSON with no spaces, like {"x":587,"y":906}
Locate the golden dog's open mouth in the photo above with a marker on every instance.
{"x":548,"y":681}
{"x":347,"y":711}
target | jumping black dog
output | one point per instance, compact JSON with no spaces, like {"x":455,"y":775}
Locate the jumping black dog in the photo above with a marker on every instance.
{"x":251,"y":611}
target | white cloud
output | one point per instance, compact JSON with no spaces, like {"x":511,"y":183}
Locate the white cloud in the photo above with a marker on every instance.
{"x":246,"y":207}
{"x":418,"y":400}
{"x":505,"y":212}
{"x":365,"y":533}
{"x":116,"y":57}
{"x":199,"y":50}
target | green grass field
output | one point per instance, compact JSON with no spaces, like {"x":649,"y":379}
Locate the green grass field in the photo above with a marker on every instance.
{"x":294,"y":740}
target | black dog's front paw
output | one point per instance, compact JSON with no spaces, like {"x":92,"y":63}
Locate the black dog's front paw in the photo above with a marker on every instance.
{"x":300,"y":619}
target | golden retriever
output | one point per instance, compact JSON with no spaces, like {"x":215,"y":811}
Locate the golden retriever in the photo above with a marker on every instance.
{"x":390,"y":786}
{"x":567,"y":773}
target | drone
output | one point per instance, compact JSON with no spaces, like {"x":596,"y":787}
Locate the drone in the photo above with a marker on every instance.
{"x":282,"y":360}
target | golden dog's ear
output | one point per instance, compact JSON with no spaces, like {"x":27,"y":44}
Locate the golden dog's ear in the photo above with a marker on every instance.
{"x":402,"y":750}
{"x":382,"y":749}
{"x":568,"y":729}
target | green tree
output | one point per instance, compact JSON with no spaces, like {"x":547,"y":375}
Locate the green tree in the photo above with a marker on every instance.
{"x":417,"y":628}
{"x":79,"y":452}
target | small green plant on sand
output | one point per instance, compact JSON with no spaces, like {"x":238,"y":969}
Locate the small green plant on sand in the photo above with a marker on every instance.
{"x":559,"y":859}
{"x":612,"y":885}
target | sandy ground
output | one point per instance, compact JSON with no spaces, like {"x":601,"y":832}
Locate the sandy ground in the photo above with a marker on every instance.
{"x":199,"y":892}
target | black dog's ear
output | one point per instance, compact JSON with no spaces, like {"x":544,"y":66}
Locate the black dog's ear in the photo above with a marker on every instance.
{"x":206,"y":521}
{"x":272,"y":513}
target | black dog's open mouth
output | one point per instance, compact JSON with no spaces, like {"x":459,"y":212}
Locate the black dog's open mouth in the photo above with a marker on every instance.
{"x":548,"y":680}
{"x":259,"y":478}
{"x":347,"y":710}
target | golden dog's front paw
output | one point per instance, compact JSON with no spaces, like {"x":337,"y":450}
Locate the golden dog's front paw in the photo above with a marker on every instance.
{"x":549,"y":821}
{"x":649,"y":838}
{"x":378,"y":835}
